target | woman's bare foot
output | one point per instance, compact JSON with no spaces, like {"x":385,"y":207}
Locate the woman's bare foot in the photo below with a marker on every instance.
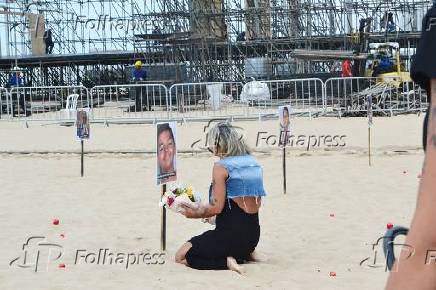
{"x":233,"y":265}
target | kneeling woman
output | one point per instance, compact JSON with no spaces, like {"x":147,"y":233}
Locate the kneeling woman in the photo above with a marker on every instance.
{"x":234,"y":198}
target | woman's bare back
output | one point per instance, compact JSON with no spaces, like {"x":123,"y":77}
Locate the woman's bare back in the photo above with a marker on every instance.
{"x":248,"y":204}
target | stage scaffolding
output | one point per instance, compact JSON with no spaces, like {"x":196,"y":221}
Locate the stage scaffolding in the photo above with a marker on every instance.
{"x":204,"y":39}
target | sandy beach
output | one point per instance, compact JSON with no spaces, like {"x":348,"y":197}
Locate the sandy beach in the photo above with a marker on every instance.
{"x":335,"y":208}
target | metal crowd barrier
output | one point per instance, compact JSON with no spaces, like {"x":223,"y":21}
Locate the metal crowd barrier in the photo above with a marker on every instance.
{"x":416,"y":98}
{"x":210,"y":100}
{"x":5,"y":105}
{"x":47,"y":103}
{"x":344,"y":94}
{"x":206,"y":100}
{"x":304,"y":96}
{"x":350,"y":95}
{"x":130,"y":101}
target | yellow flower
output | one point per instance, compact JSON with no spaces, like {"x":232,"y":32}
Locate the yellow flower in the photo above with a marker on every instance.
{"x":189,"y":191}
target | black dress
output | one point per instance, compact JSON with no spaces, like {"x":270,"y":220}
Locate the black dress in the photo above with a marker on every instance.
{"x":424,"y":62}
{"x":236,"y":234}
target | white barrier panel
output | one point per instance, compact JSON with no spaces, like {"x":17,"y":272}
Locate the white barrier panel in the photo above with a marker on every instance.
{"x":304,"y":95}
{"x":5,"y":105}
{"x":131,"y":101}
{"x":206,"y":100}
{"x":46,"y":103}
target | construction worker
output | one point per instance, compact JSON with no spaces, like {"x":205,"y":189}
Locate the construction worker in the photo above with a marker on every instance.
{"x":48,"y":40}
{"x":139,"y":73}
{"x":16,"y":80}
{"x":346,"y":69}
{"x":386,"y":65}
{"x":387,"y":22}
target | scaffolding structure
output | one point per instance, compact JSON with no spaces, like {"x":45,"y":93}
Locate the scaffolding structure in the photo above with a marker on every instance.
{"x":203,"y":39}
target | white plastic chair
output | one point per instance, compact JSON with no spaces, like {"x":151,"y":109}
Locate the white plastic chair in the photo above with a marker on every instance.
{"x":71,"y":107}
{"x":215,"y":95}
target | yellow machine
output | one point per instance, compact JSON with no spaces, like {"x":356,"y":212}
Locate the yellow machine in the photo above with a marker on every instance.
{"x":384,"y":62}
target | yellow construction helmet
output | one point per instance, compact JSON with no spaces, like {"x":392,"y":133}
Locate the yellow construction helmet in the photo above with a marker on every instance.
{"x":138,"y":63}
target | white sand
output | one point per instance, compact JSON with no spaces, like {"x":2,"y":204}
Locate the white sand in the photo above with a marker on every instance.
{"x":115,"y":205}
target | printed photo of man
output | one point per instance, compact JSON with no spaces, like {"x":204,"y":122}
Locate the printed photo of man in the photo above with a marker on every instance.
{"x":166,"y":152}
{"x":284,"y":125}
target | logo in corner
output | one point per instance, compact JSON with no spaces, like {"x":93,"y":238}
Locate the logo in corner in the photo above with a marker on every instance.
{"x":37,"y":252}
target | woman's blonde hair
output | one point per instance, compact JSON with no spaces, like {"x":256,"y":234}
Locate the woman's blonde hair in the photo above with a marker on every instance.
{"x":227,"y":140}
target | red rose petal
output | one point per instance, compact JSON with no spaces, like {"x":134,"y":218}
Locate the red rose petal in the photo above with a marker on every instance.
{"x":332,"y":274}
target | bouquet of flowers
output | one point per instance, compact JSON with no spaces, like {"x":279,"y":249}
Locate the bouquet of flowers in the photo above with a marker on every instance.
{"x":179,"y":195}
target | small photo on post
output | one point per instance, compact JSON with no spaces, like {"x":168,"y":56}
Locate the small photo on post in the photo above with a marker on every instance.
{"x":83,"y":128}
{"x":166,"y":152}
{"x":285,"y":130}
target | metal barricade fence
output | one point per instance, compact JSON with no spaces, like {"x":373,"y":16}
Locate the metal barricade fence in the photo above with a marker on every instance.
{"x":415,"y":97}
{"x":130,"y":101}
{"x":206,"y":100}
{"x":47,"y":103}
{"x":210,"y":100}
{"x":304,"y":96}
{"x":351,"y":95}
{"x":5,"y":105}
{"x":345,"y":94}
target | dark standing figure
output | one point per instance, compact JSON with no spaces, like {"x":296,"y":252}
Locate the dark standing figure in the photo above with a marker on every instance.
{"x":16,"y":80}
{"x":391,"y":23}
{"x":388,"y":23}
{"x":156,"y":31}
{"x":139,"y":75}
{"x":49,"y":44}
{"x":241,"y":36}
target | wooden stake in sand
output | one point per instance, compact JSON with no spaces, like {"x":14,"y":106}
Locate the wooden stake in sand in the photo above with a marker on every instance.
{"x":81,"y":158}
{"x":163,"y":224}
{"x":82,"y":132}
{"x":284,"y":169}
{"x":369,"y":127}
{"x":284,"y":112}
